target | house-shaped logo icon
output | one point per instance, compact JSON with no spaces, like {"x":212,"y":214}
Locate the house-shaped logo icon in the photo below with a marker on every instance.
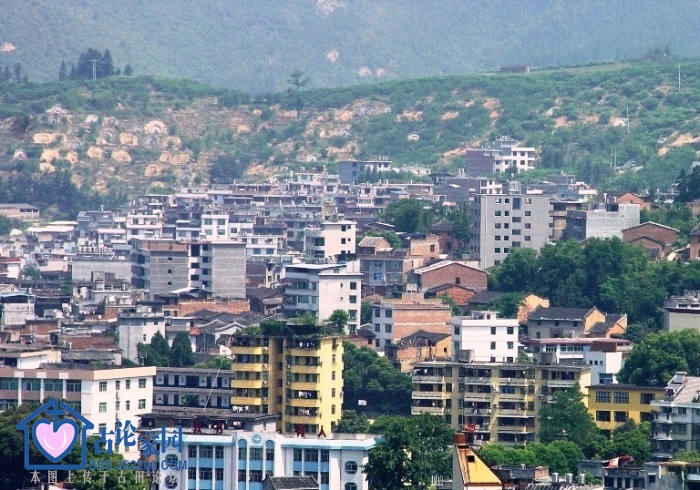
{"x":55,"y":428}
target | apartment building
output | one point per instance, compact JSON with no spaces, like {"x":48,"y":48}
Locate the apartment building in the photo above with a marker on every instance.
{"x":386,"y":270}
{"x":505,"y":156}
{"x":601,"y":222}
{"x":499,"y":223}
{"x":238,"y":450}
{"x":138,"y":325}
{"x":555,"y":322}
{"x":330,"y":240}
{"x":214,"y":226}
{"x":683,"y":311}
{"x":162,"y":266}
{"x":352,"y":171}
{"x":299,"y":378}
{"x":677,"y":424}
{"x":394,"y":320}
{"x":613,"y":405}
{"x":497,"y":402}
{"x":489,"y":338}
{"x":192,"y":387}
{"x":320,"y":289}
{"x":102,"y":394}
{"x":144,"y":225}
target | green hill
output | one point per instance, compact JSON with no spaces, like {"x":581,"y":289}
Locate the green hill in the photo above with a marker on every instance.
{"x":253,"y":45}
{"x":124,"y":135}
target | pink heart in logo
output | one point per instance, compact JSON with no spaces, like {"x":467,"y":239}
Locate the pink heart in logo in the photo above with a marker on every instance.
{"x":55,"y":440}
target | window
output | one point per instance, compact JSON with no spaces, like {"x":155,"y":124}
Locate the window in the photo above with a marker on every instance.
{"x":622,"y":397}
{"x":602,"y":397}
{"x":350,"y":486}
{"x":353,"y":299}
{"x":142,"y":382}
{"x":103,"y":386}
{"x":493,"y":345}
{"x":388,"y":313}
{"x":218,"y":474}
{"x":128,"y":384}
{"x":32,"y":384}
{"x":256,"y":454}
{"x":646,"y":398}
{"x":351,"y":467}
{"x":621,"y":416}
{"x":219,"y":451}
{"x":311,"y":456}
{"x":270,"y":454}
{"x":128,"y":405}
{"x":602,"y":416}
{"x":353,"y":285}
{"x":493,"y":330}
{"x":681,"y":411}
{"x":325,"y":455}
{"x":142,"y":404}
{"x":117,"y":385}
{"x":510,"y":345}
{"x":103,"y":407}
{"x":297,"y":455}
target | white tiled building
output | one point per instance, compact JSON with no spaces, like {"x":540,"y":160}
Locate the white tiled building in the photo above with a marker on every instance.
{"x":491,"y":339}
{"x":330,"y":240}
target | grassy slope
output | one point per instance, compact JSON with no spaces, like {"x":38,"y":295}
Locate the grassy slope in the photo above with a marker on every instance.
{"x":567,"y":112}
{"x":254,"y":44}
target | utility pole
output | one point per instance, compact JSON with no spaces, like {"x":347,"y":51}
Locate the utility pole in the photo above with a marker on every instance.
{"x":679,"y":77}
{"x":628,"y":120}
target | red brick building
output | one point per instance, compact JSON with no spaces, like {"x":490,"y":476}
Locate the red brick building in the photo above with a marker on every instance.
{"x":450,"y":272}
{"x":655,"y":238}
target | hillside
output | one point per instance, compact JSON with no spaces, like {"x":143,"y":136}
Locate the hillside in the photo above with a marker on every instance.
{"x":253,"y":45}
{"x":126,"y":135}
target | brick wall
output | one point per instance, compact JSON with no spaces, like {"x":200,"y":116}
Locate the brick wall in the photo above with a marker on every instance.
{"x":455,"y":274}
{"x":661,"y":234}
{"x":233,"y":306}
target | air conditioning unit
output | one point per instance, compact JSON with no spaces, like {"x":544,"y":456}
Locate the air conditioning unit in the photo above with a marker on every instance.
{"x":289,"y":366}
{"x":264,"y":381}
{"x":265,"y":348}
{"x":264,"y":398}
{"x":488,"y":410}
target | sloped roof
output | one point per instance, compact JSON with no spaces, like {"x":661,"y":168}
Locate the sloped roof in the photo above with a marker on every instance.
{"x":431,"y":337}
{"x":293,"y":482}
{"x":443,"y":263}
{"x":485,"y":297}
{"x":559,"y":313}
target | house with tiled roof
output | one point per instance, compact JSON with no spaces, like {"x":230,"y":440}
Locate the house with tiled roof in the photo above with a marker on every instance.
{"x":556,"y":322}
{"x":450,"y":272}
{"x":657,"y":239}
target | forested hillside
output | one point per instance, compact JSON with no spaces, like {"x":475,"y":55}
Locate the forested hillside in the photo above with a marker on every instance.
{"x":122,"y":135}
{"x":253,"y":45}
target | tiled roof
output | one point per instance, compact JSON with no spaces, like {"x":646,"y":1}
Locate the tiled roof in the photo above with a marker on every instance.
{"x":558,"y":313}
{"x":293,"y":482}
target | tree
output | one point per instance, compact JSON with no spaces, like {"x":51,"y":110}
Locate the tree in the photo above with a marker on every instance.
{"x":181,"y":354}
{"x":689,"y":186}
{"x":30,"y":271}
{"x":567,"y":418}
{"x":339,"y":319}
{"x":372,"y":378}
{"x":409,"y":216}
{"x":413,"y":450}
{"x":218,"y":362}
{"x":366,"y":313}
{"x":62,"y":72}
{"x":630,"y":439}
{"x":352,"y":423}
{"x":18,"y":72}
{"x":128,"y":70}
{"x":156,"y":353}
{"x":517,"y":273}
{"x":107,"y":64}
{"x":559,"y":456}
{"x":298,"y":81}
{"x":508,"y":305}
{"x":655,"y":360}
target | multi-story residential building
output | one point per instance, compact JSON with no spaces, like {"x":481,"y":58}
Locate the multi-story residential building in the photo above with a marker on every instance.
{"x":192,"y":387}
{"x":603,"y":222}
{"x":394,"y":320}
{"x":102,"y":394}
{"x":144,"y":225}
{"x":677,"y":424}
{"x":386,"y":270}
{"x":681,"y":312}
{"x":162,"y":266}
{"x":694,"y":243}
{"x":330,"y":240}
{"x":417,"y":347}
{"x":557,"y":322}
{"x":506,"y":156}
{"x":352,"y":171}
{"x":16,"y":307}
{"x":320,"y":289}
{"x":299,"y":378}
{"x":497,"y":402}
{"x":215,"y":226}
{"x":238,"y":450}
{"x":139,"y":325}
{"x":499,"y":223}
{"x":491,"y":339}
{"x":603,"y":356}
{"x":613,"y":405}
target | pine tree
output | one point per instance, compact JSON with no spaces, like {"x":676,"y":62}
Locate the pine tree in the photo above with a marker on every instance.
{"x":62,"y":72}
{"x":107,"y":64}
{"x":128,"y":71}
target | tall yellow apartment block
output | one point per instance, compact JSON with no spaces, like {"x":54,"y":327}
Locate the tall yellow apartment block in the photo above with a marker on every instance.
{"x":611,"y":405}
{"x":299,"y":378}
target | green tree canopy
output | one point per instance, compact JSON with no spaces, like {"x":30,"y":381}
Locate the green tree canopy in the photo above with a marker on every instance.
{"x":372,"y":378}
{"x":630,"y":439}
{"x":157,"y":353}
{"x":655,"y":360}
{"x":413,"y":450}
{"x":352,"y":423}
{"x":409,"y":215}
{"x":559,"y":456}
{"x":181,"y":354}
{"x":567,"y":418}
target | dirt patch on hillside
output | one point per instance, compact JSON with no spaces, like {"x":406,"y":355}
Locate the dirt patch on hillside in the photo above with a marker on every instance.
{"x":409,"y":116}
{"x":449,"y":115}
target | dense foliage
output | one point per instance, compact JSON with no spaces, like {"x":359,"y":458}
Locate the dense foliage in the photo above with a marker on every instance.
{"x":614,"y":276}
{"x":372,"y":378}
{"x":559,"y":456}
{"x":159,"y":353}
{"x":656,"y":358}
{"x":411,"y":452}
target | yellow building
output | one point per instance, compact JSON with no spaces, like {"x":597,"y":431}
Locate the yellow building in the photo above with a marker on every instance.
{"x":299,"y":378}
{"x":497,"y":402}
{"x":611,"y":405}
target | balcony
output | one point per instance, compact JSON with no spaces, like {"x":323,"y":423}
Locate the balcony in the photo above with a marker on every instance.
{"x":430,"y":410}
{"x":305,"y":402}
{"x":561,"y":383}
{"x":242,"y":401}
{"x":253,"y":350}
{"x":471,"y":380}
{"x":246,"y":383}
{"x":516,"y":429}
{"x":430,"y":395}
{"x":477,"y":397}
{"x":509,"y":412}
{"x":305,"y":369}
{"x":303,"y":385}
{"x":511,"y":397}
{"x":513,"y":381}
{"x":663,"y":436}
{"x":304,"y":419}
{"x":427,"y":379}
